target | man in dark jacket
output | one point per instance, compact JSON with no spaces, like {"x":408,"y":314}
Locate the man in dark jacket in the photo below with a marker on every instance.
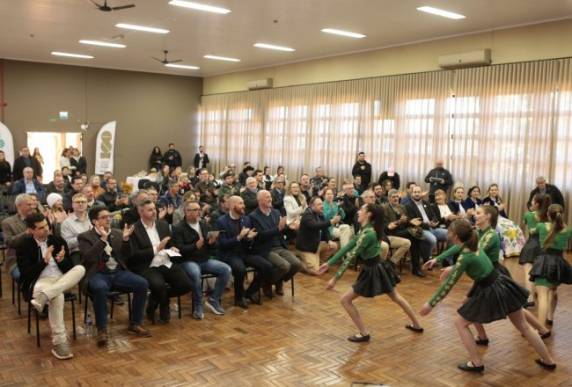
{"x":270,"y":242}
{"x":23,"y":161}
{"x":249,"y":195}
{"x":149,"y":259}
{"x":172,"y":157}
{"x":438,"y":178}
{"x":362,"y":168}
{"x":198,"y":249}
{"x":314,"y":236}
{"x":201,"y":159}
{"x":103,"y":252}
{"x":278,"y":195}
{"x":47,"y":272}
{"x":30,"y":185}
{"x":235,"y":249}
{"x":542,"y":187}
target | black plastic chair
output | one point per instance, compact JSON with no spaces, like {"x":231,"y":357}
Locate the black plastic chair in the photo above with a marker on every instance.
{"x":69,"y":297}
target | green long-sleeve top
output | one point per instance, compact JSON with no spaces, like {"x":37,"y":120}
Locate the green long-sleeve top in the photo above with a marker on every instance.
{"x":489,"y":243}
{"x":365,"y":245}
{"x":331,"y":210}
{"x":531,"y":222}
{"x":477,"y":266}
{"x":560,"y":240}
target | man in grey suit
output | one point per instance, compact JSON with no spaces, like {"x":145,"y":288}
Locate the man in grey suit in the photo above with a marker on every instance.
{"x":15,"y":231}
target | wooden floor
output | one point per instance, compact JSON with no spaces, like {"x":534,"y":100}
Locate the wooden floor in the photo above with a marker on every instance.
{"x":286,"y":342}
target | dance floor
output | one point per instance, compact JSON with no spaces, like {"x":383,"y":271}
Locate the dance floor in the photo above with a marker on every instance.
{"x":300,"y":341}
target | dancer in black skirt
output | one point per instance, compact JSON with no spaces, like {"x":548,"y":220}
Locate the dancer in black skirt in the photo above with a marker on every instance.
{"x":550,"y":269}
{"x":493,"y":297}
{"x":538,"y":214}
{"x":376,"y":277}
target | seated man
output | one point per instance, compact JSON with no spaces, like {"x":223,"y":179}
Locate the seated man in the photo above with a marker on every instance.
{"x":29,"y":185}
{"x":112,"y":199}
{"x":314,"y":237}
{"x":249,"y":195}
{"x":235,"y":247}
{"x":103,"y":253}
{"x":76,"y":223}
{"x":76,"y":187}
{"x":206,"y":188}
{"x":420,"y":209}
{"x":270,"y":242}
{"x":278,"y":193}
{"x":149,"y":259}
{"x":15,"y":231}
{"x":190,"y":236}
{"x":47,"y":272}
{"x":349,"y":204}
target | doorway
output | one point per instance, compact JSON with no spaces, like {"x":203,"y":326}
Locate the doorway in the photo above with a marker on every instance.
{"x":51,"y":145}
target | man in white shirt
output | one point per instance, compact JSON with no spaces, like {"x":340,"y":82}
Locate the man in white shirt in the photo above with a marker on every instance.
{"x":76,"y":223}
{"x":48,"y":272}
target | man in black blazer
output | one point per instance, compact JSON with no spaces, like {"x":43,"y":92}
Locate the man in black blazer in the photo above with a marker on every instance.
{"x":422,"y":213}
{"x":198,"y":250}
{"x":201,"y":159}
{"x":47,"y":272}
{"x":23,"y":161}
{"x":235,"y":248}
{"x":149,"y":259}
{"x":103,"y":253}
{"x":542,"y":187}
{"x":313,"y":236}
{"x":270,"y":242}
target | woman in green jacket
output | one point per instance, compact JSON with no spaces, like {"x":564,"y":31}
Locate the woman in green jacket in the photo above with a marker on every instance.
{"x":493,"y":297}
{"x":377,"y":275}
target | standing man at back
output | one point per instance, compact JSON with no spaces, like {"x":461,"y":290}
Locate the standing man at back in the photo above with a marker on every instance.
{"x":438,"y":178}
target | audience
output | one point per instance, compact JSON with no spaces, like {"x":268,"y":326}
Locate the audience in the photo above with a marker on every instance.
{"x":198,"y":251}
{"x":44,"y":262}
{"x":29,"y":184}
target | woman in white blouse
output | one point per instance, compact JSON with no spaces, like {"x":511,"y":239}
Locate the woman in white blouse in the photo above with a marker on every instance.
{"x":65,"y":158}
{"x":295,"y":205}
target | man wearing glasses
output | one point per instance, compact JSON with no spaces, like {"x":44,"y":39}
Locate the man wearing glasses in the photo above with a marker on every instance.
{"x":76,"y":223}
{"x":104,"y":251}
{"x":48,"y":272}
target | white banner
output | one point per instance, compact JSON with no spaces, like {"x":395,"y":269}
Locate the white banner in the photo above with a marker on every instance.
{"x":105,"y":148}
{"x":7,"y":143}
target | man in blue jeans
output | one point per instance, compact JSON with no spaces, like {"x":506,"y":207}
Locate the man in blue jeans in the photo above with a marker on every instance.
{"x":192,"y":238}
{"x":103,"y":253}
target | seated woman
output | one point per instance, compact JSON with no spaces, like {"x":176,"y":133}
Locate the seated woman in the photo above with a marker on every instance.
{"x":473,"y":201}
{"x":512,"y":236}
{"x":295,"y":205}
{"x":456,"y":204}
{"x":446,"y":212}
{"x":343,"y":232}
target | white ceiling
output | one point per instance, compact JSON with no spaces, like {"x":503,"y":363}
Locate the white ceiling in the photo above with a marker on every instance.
{"x":31,"y":29}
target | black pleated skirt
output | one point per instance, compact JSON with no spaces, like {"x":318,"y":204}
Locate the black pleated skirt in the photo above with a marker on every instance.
{"x":493,"y":298}
{"x":551,"y":266}
{"x":531,"y":250}
{"x":376,"y":277}
{"x":502,"y":269}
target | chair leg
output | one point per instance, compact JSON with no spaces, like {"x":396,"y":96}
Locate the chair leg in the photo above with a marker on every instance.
{"x":29,"y":319}
{"x":129,"y":306}
{"x":112,"y":308}
{"x":179,"y":307}
{"x":37,"y":328}
{"x":85,"y":309}
{"x":73,"y":320}
{"x":79,"y":293}
{"x":13,"y":292}
{"x":292,"y":284}
{"x":19,"y":302}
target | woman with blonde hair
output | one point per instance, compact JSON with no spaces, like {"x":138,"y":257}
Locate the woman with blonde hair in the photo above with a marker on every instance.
{"x":294,"y":204}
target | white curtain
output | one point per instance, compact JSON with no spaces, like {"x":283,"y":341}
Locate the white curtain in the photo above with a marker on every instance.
{"x":504,"y":124}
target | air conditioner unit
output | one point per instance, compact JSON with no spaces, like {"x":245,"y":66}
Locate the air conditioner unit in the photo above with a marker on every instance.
{"x":466,"y":59}
{"x":260,"y":84}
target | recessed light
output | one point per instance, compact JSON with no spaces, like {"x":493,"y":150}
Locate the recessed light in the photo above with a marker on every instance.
{"x":224,"y":58}
{"x":343,"y":33}
{"x":273,"y":47}
{"x":180,"y":66}
{"x":102,"y":44}
{"x":70,"y":55}
{"x":199,"y":6}
{"x":136,"y":27}
{"x":441,"y":12}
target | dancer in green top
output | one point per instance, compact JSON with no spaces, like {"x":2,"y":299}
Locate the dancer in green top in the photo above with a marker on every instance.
{"x":531,"y":250}
{"x":493,"y":297}
{"x":376,"y":277}
{"x":550,"y":269}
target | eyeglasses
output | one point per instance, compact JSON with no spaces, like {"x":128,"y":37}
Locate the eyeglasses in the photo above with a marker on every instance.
{"x":109,"y":216}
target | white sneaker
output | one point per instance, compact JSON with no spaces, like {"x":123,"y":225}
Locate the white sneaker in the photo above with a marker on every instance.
{"x":62,"y":351}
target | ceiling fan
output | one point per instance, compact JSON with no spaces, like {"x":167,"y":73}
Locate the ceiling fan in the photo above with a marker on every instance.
{"x":165,"y":60}
{"x":106,"y":8}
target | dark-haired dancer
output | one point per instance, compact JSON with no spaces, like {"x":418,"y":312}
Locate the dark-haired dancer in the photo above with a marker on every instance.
{"x":538,"y":214}
{"x":489,"y":243}
{"x":377,"y":276}
{"x":550,"y":269}
{"x":493,"y":297}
